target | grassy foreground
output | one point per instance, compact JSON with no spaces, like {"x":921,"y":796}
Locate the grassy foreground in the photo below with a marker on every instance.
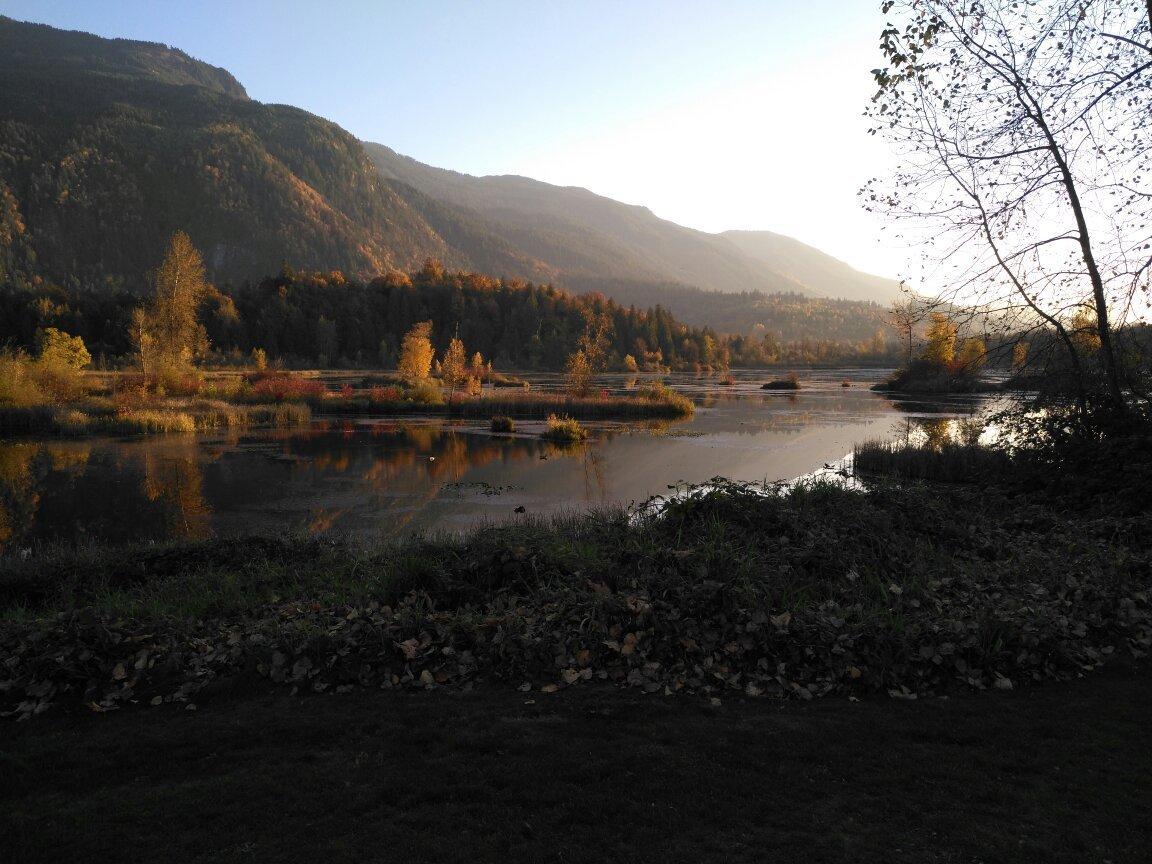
{"x":781,"y":593}
{"x":594,"y":688}
{"x":1055,"y":774}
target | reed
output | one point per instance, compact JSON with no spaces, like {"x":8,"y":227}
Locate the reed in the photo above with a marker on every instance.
{"x":951,"y":462}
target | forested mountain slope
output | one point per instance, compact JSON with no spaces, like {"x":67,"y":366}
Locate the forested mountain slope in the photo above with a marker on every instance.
{"x":107,"y":146}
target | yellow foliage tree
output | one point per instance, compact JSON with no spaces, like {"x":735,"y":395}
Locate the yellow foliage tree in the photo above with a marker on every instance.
{"x":941,"y":335}
{"x":1085,"y":332}
{"x":477,"y":368}
{"x":972,"y":354}
{"x":416,"y":352}
{"x":454,"y":364}
{"x":1019,"y":357}
{"x":59,"y":349}
{"x":167,"y":335}
{"x":578,"y":374}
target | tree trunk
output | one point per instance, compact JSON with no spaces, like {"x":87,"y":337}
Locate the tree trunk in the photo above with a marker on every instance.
{"x":1111,"y":369}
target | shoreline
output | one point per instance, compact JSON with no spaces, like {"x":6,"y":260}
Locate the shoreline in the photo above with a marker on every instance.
{"x":739,"y":589}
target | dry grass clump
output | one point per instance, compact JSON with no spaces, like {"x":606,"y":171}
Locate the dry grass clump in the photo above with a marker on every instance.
{"x":563,"y":430}
{"x":151,"y":421}
{"x":503,"y":424}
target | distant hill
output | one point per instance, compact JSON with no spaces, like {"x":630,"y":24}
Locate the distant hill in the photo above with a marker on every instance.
{"x":749,"y":313}
{"x":817,"y":271}
{"x":587,"y":236}
{"x":108,"y":145}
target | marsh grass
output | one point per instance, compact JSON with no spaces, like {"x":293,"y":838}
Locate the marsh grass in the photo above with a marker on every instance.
{"x":503,"y":424}
{"x":98,"y":416}
{"x":949,"y":462}
{"x":660,"y":402}
{"x":563,"y":430}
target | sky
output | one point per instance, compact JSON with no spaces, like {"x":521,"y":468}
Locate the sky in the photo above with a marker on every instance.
{"x":716,"y":115}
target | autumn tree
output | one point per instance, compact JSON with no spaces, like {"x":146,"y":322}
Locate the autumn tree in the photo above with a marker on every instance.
{"x":416,"y":352}
{"x":454,"y":364}
{"x":940,"y":347}
{"x":58,"y":349}
{"x":578,"y":374}
{"x":596,"y":338}
{"x":1085,"y":332}
{"x":1025,"y":134}
{"x":477,"y":368}
{"x":166,"y":331}
{"x":1019,"y":357}
{"x":972,"y":355}
{"x":60,"y":359}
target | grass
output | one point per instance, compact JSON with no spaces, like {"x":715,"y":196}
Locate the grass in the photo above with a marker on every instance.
{"x":503,"y":424}
{"x":96,"y":416}
{"x":949,"y":462}
{"x":522,"y":403}
{"x":563,"y":430}
{"x":132,"y":404}
{"x":1053,"y":775}
{"x":804,"y":592}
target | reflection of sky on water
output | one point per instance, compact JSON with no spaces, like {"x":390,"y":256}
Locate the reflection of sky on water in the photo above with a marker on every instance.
{"x":382,"y":477}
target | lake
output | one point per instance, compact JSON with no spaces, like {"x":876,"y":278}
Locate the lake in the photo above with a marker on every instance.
{"x":376,"y":478}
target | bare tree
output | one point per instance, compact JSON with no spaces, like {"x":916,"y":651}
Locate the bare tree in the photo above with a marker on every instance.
{"x":905,"y":315}
{"x":1025,"y":136}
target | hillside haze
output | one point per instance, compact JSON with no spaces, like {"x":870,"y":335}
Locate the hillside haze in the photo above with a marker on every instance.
{"x":110,"y":145}
{"x":589,"y":237}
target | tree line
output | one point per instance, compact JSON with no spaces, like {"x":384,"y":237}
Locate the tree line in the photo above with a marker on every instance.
{"x":330,"y":320}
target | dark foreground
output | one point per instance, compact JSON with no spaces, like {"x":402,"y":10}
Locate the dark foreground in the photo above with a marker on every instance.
{"x":1056,"y":773}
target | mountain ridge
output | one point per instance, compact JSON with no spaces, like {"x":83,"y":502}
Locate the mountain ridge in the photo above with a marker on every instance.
{"x":108,"y":146}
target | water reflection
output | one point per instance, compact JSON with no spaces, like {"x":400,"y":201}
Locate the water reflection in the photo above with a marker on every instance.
{"x":375,"y":478}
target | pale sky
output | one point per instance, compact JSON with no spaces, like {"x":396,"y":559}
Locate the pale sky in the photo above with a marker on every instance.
{"x":715,"y":115}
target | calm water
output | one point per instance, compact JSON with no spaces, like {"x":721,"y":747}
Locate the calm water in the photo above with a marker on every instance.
{"x":375,"y":478}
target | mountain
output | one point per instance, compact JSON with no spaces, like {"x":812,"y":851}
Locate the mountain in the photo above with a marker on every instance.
{"x":817,"y":271}
{"x":108,"y":145}
{"x":587,"y":236}
{"x":584,"y":235}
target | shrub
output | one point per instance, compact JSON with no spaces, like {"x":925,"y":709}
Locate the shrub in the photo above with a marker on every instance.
{"x":380,"y":395}
{"x":563,"y":430}
{"x":425,"y":393}
{"x":503,"y":424}
{"x":58,"y":348}
{"x":17,"y":386}
{"x":283,"y":386}
{"x":789,"y":383}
